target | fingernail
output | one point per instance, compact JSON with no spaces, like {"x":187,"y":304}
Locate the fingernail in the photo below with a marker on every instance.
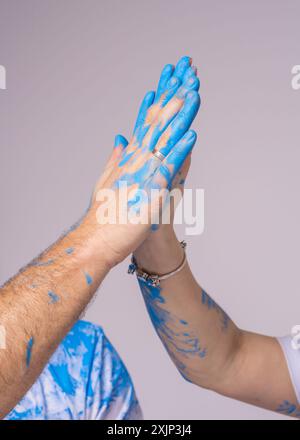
{"x":191,"y":135}
{"x":191,"y":82}
{"x":168,"y":68}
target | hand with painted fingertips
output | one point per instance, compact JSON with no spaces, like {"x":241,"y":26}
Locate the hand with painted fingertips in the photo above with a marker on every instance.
{"x":162,"y":126}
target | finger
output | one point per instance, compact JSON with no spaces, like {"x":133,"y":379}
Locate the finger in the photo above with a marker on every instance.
{"x":181,"y":67}
{"x":180,"y":124}
{"x":142,"y":114}
{"x":191,"y":71}
{"x":168,"y":169}
{"x":119,"y":146}
{"x":165,"y":91}
{"x":191,"y":83}
{"x":168,"y":113}
{"x":180,"y":70}
{"x":179,"y":180}
{"x":124,"y":153}
{"x":153,"y":110}
{"x":172,"y":86}
{"x":120,"y":141}
{"x":168,"y":86}
{"x":166,"y":74}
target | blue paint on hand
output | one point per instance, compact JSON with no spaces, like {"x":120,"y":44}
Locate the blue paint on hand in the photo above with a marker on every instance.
{"x":141,"y":118}
{"x":166,"y":74}
{"x":69,"y":250}
{"x":181,"y":67}
{"x":120,"y":140}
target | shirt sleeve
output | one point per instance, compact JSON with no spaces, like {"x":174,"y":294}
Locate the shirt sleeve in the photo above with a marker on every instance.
{"x":112,"y":395}
{"x":84,"y":379}
{"x":291,"y":350}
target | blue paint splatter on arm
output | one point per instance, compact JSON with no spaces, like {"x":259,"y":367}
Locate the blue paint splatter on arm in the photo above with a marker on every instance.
{"x":40,"y":263}
{"x":167,"y":325}
{"x":88,"y":278}
{"x":54,"y":298}
{"x":288,"y":409}
{"x":212,"y":305}
{"x":69,"y":250}
{"x":29,"y":351}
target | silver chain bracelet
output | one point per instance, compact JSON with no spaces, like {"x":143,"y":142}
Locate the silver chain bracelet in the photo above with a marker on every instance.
{"x":154,"y":280}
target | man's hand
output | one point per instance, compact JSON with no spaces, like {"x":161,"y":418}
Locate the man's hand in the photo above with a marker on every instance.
{"x":162,"y":126}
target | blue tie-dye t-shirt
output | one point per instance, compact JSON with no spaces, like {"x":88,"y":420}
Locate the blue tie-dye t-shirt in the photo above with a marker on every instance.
{"x":84,"y":379}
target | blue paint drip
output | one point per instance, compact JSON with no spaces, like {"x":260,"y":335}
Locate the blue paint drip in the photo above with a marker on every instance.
{"x":69,"y":250}
{"x":54,"y":298}
{"x":29,"y":351}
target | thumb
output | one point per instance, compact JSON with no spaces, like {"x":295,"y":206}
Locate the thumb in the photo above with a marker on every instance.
{"x":120,"y":141}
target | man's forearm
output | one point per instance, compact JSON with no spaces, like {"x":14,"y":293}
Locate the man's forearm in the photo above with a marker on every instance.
{"x":42,"y":302}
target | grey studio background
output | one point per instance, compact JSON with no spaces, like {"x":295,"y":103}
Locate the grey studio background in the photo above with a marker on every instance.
{"x":76,"y":71}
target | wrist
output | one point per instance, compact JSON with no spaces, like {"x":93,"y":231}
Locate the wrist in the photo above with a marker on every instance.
{"x":87,"y":238}
{"x":161,"y":252}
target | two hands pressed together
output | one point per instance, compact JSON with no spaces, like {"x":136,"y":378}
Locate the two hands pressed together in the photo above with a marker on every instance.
{"x":43,"y":301}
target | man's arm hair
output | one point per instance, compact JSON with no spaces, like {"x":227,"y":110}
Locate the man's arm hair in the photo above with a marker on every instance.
{"x":41,"y":303}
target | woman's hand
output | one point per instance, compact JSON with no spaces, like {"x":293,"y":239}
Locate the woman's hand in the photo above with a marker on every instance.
{"x":122,"y":219}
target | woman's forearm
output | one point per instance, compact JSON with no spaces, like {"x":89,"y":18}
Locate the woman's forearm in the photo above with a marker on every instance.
{"x":206,"y":346}
{"x":197,"y":333}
